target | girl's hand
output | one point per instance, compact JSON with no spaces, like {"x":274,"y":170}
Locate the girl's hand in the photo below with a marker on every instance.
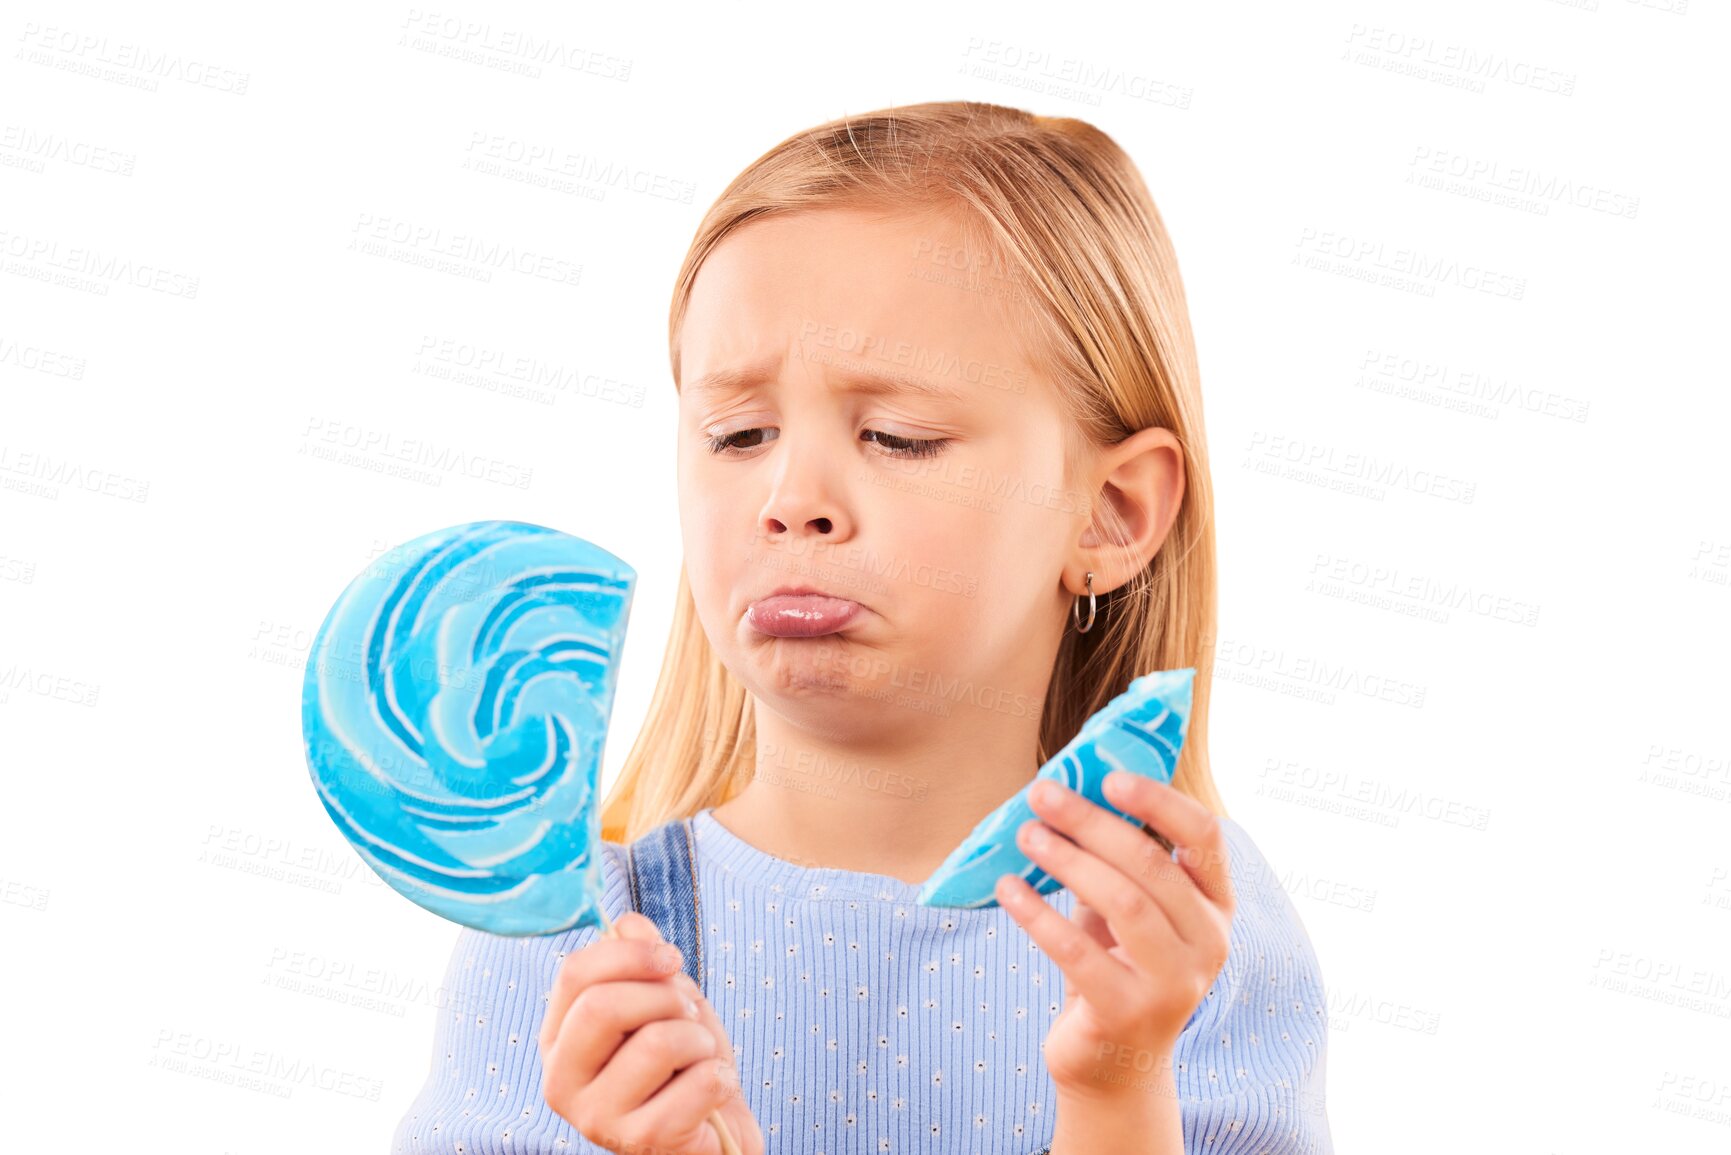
{"x":1148,"y":935}
{"x":621,"y":1021}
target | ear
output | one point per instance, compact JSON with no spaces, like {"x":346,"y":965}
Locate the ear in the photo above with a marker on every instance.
{"x":1139,"y":486}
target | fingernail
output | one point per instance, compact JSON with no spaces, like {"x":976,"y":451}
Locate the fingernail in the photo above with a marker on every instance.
{"x":690,"y":1009}
{"x":666,"y":957}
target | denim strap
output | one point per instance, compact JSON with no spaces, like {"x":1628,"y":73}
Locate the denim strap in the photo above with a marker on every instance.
{"x":663,"y":872}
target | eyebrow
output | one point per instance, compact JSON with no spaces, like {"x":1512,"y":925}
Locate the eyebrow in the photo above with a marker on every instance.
{"x":864,"y":380}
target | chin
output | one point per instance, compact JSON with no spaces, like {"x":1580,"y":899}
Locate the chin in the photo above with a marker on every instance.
{"x":835,"y":668}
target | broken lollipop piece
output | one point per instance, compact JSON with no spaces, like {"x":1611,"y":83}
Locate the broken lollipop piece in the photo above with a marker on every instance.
{"x":1141,"y":730}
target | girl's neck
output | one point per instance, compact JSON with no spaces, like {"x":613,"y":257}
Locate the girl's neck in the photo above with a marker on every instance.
{"x":898,"y":837}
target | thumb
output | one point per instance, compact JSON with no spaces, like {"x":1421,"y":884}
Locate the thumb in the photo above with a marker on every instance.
{"x":636,"y":924}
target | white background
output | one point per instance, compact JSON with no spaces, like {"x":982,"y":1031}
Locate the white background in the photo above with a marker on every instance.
{"x":1476,"y":553}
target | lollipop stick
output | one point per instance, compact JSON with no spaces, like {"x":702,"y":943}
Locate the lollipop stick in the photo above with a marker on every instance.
{"x":728,"y":1145}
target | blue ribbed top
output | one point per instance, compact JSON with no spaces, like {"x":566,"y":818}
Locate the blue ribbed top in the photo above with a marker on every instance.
{"x":863,"y":1022}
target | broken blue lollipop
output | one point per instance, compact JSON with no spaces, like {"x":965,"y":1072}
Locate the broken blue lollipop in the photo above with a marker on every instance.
{"x":1141,"y":730}
{"x":454,"y":711}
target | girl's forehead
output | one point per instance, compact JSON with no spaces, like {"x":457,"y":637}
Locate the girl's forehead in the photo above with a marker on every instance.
{"x":853,"y":293}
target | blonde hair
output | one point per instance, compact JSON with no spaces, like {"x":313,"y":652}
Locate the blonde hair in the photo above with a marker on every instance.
{"x":1063,"y":215}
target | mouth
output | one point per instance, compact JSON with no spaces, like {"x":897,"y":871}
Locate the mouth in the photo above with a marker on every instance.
{"x":800,"y":612}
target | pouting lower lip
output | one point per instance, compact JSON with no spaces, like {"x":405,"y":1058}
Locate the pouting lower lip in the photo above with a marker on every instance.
{"x":801,"y":615}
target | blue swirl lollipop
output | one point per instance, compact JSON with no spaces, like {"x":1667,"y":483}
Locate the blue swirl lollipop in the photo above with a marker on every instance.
{"x":454,"y":712}
{"x":1141,"y":730}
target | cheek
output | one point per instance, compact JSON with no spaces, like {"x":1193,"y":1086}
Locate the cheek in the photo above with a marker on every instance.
{"x":712,"y":537}
{"x":991,"y":570}
{"x":950,"y":557}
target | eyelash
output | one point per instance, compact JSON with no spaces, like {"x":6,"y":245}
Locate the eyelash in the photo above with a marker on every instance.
{"x":718,"y":444}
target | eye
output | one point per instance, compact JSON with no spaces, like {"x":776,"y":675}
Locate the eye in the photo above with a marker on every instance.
{"x":722,"y":443}
{"x":906,"y":446}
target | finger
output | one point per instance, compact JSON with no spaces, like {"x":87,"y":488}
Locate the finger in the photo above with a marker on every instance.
{"x":1088,"y":969}
{"x":628,"y":954}
{"x":707,"y":1016}
{"x":1094,"y":925}
{"x":599,"y":1020}
{"x":1139,"y":922}
{"x":682,"y":1108}
{"x":648,"y":1059}
{"x":1196,"y":830}
{"x":1118,"y":842}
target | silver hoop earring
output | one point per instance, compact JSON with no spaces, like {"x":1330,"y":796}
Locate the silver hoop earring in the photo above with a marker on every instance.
{"x":1076,"y":607}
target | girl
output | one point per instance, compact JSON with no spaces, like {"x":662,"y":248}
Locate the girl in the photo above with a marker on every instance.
{"x":944,"y":492}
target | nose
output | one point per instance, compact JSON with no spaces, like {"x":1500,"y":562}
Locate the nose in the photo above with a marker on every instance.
{"x":817,"y":524}
{"x":801,"y":503}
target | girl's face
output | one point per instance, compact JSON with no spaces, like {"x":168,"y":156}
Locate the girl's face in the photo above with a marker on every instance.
{"x":856,"y":417}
